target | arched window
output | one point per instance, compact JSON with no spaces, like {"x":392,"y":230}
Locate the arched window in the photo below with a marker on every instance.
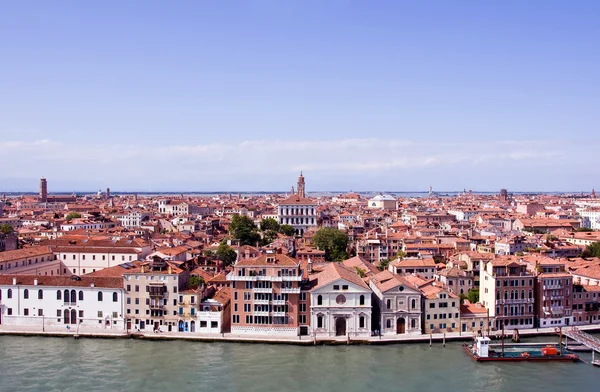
{"x":362,"y":300}
{"x":319,"y":300}
{"x":26,"y":294}
{"x":73,"y":316}
{"x":40,"y":294}
{"x":73,"y":296}
{"x":522,"y":294}
{"x":81,"y":295}
{"x":413,"y":304}
{"x":58,"y":295}
{"x":67,"y":318}
{"x":389,"y":303}
{"x":100,"y":296}
{"x":319,"y":321}
{"x":9,"y":293}
{"x":115,"y":297}
{"x":67,"y":298}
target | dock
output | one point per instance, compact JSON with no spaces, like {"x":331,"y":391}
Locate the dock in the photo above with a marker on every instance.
{"x":584,"y":339}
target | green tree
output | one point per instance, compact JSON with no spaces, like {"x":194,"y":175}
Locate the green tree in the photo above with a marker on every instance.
{"x":401,"y":254}
{"x":195,"y":282}
{"x":268,"y":236}
{"x":269,"y":224}
{"x":462,"y":297}
{"x":592,"y":250}
{"x":473,"y":296}
{"x":287,"y":230}
{"x":583,"y":230}
{"x":383,"y":264}
{"x":73,"y":215}
{"x":360,"y":272}
{"x":242,"y":228}
{"x":333,"y":241}
{"x":6,"y":229}
{"x":226,"y":254}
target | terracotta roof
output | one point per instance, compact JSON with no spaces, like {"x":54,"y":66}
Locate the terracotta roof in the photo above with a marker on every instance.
{"x":269,"y":260}
{"x":335,"y":271}
{"x":24,"y":253}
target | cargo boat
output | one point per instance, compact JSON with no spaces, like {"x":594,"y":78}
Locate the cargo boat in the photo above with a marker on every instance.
{"x":481,"y":352}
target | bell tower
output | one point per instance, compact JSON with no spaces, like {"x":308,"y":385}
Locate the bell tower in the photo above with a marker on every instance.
{"x":301,"y":186}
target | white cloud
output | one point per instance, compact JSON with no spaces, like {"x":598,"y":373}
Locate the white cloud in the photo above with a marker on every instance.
{"x":250,"y":164}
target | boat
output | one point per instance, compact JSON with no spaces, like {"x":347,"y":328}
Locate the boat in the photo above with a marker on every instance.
{"x":596,"y":362}
{"x":481,"y":352}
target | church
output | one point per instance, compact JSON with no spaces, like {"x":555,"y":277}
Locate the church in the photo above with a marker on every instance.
{"x":297,"y":210}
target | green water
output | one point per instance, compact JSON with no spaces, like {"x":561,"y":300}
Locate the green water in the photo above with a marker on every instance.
{"x":65,"y":364}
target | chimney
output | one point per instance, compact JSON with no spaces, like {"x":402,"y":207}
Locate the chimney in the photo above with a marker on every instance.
{"x":143,"y":270}
{"x":14,"y":281}
{"x":35,"y":282}
{"x":92,"y":284}
{"x":309,"y":265}
{"x":170,"y":270}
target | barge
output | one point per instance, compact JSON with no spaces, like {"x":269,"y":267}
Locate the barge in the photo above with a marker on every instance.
{"x":481,"y":352}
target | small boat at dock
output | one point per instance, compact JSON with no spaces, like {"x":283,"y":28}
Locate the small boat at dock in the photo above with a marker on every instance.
{"x":480,"y":351}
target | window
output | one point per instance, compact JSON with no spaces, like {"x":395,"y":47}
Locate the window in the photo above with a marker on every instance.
{"x":26,"y":312}
{"x":99,"y":296}
{"x":431,"y":305}
{"x":319,"y":300}
{"x":336,"y":286}
{"x":214,"y":324}
{"x":26,"y":294}
{"x":9,"y":311}
{"x":388,"y":323}
{"x":345,"y":287}
{"x":319,"y":321}
{"x":361,"y":300}
{"x":9,"y":293}
{"x":413,"y":304}
{"x":40,"y":294}
{"x":73,"y":296}
{"x":58,"y":295}
{"x":81,"y":295}
{"x":115,"y":297}
{"x":389,"y":303}
{"x":137,"y":288}
{"x":361,"y":322}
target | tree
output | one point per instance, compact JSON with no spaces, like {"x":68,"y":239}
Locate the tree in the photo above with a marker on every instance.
{"x":462,"y":297}
{"x":359,"y":271}
{"x":383,"y":264}
{"x":473,"y":296}
{"x":6,"y":229}
{"x":592,"y":250}
{"x":226,"y":254}
{"x":268,"y":236}
{"x":287,"y":230}
{"x":196,"y":281}
{"x":242,"y":228}
{"x":269,"y":224}
{"x":333,"y":241}
{"x":73,"y":215}
{"x":583,"y":230}
{"x":401,"y":254}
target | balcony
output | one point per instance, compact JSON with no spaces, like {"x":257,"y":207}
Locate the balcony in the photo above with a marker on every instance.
{"x":290,"y":290}
{"x":261,"y":301}
{"x":232,"y":276}
{"x":157,"y":306}
{"x":263,"y":290}
{"x":278,"y":314}
{"x":279,"y":302}
{"x":292,"y":278}
{"x":260,"y":313}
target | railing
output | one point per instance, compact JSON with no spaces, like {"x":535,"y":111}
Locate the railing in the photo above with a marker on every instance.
{"x":279,"y":302}
{"x":261,"y":301}
{"x":290,"y":290}
{"x":263,"y":290}
{"x":278,"y":314}
{"x":260,"y":313}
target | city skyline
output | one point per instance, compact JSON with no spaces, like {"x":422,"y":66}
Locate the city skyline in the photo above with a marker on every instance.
{"x":206,"y":96}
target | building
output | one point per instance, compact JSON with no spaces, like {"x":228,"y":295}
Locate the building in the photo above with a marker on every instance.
{"x":586,"y":304}
{"x":421,"y":265}
{"x":441,"y":308}
{"x":458,"y":281}
{"x":297,"y":210}
{"x":474,"y":318}
{"x":506,"y":288}
{"x":37,"y":260}
{"x":554,"y":291}
{"x":382,"y":202}
{"x":266,"y":295}
{"x":340,"y":303}
{"x":214,"y":314}
{"x":133,"y":218}
{"x":52,"y":302}
{"x":43,"y":190}
{"x":397,"y":305}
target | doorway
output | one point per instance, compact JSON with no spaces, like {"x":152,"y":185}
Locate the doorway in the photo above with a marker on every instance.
{"x":400,"y":326}
{"x":340,"y":326}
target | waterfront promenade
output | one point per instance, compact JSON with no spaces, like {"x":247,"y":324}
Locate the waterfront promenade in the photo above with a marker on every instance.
{"x":438,"y":338}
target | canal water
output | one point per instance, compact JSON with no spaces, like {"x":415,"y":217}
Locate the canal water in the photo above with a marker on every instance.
{"x":65,"y":364}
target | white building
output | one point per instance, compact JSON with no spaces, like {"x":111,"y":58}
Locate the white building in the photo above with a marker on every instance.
{"x":399,"y":304}
{"x":214,"y":313}
{"x":37,"y":260}
{"x":132,"y":218}
{"x":340,"y":303}
{"x":382,"y":202}
{"x":47,"y":302}
{"x":590,"y":218}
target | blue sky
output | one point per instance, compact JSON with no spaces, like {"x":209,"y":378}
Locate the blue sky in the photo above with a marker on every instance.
{"x":242,"y":95}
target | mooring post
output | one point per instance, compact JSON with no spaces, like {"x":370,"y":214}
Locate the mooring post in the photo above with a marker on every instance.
{"x":444,"y":339}
{"x":430,"y":340}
